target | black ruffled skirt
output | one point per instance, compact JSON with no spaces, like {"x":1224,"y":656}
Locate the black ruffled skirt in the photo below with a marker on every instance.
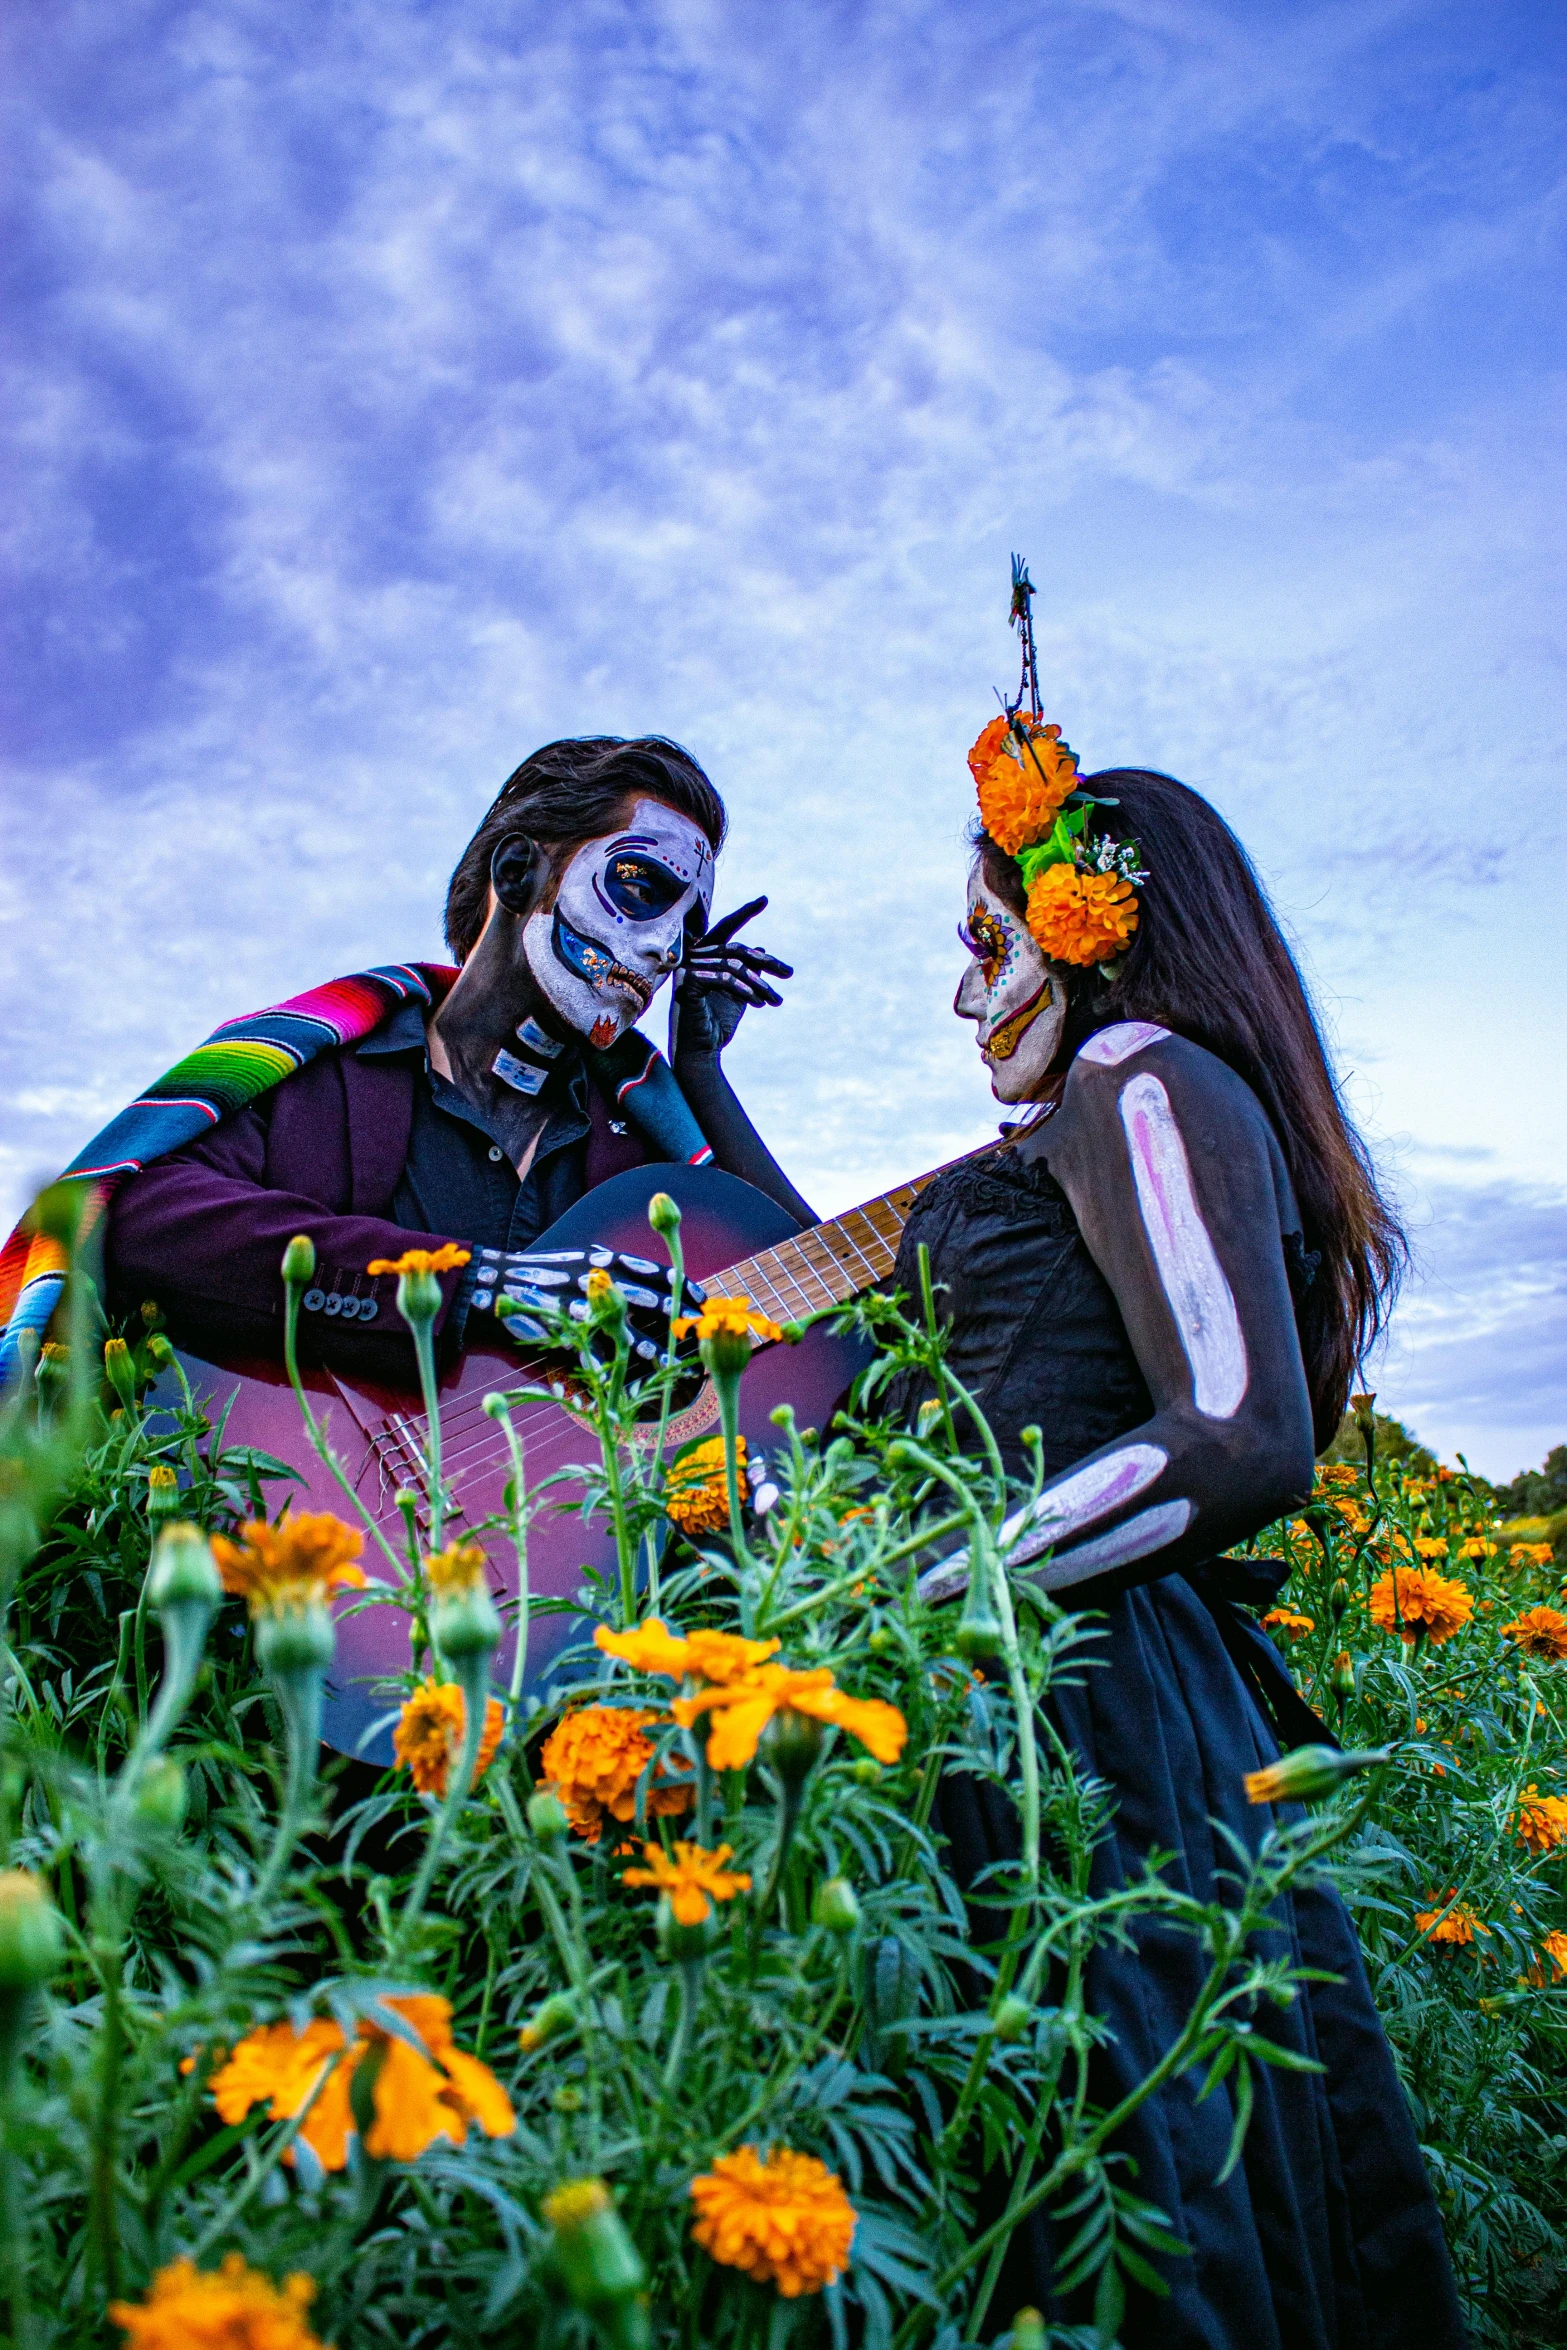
{"x":1326,"y":2235}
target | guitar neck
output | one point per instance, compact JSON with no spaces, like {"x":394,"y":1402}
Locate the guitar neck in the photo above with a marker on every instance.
{"x":833,"y":1261}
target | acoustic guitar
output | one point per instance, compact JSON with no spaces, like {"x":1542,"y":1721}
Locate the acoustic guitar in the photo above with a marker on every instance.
{"x":735,"y":1240}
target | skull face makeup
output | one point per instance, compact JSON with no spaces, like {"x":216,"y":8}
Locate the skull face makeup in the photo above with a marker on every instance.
{"x":1009,"y":992}
{"x":613,"y":934}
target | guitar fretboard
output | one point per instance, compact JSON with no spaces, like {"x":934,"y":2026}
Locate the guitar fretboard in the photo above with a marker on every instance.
{"x":829,"y":1264}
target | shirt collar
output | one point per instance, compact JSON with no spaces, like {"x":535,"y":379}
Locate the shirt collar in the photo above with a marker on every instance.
{"x":402,"y":1031}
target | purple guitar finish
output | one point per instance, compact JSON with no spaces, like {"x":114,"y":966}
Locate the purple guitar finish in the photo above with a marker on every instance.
{"x":376,"y":1431}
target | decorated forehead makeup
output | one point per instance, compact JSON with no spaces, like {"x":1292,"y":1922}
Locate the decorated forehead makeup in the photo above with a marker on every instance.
{"x":1082,"y":902}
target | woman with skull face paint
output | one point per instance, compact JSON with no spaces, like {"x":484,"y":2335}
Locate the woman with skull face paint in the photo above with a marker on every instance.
{"x":485,"y":1102}
{"x":1172,"y":1267}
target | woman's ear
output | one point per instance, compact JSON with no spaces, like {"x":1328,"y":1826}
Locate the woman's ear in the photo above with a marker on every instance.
{"x":517,"y":869}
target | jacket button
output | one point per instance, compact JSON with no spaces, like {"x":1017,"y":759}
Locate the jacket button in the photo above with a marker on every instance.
{"x":314,"y":1300}
{"x":496,"y":1154}
{"x":334,"y":1304}
{"x":368,"y":1309}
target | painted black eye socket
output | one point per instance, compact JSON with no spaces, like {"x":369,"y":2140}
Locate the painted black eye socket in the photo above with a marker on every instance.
{"x":640,"y":888}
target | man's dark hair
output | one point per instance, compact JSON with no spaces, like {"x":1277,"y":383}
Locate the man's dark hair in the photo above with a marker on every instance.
{"x":1209,"y":961}
{"x":575,"y":790}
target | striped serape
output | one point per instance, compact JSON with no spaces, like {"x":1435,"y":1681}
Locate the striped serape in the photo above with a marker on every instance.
{"x":246,"y":1058}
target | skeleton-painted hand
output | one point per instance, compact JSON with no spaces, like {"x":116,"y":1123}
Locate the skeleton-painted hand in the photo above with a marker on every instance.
{"x":556,"y":1280}
{"x":716,"y":982}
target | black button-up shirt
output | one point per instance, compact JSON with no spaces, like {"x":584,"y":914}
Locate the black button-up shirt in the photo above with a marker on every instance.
{"x":457,"y":1179}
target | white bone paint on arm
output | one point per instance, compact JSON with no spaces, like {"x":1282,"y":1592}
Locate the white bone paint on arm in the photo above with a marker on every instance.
{"x":1199,"y":1295}
{"x":1086,"y":1494}
{"x":1111,"y":1046}
{"x":1150,"y":1530}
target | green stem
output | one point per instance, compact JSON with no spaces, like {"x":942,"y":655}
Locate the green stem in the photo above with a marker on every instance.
{"x":691,"y":1972}
{"x":938,"y":1369}
{"x":103,"y":2212}
{"x":14,"y":2296}
{"x":456,"y":1795}
{"x":292,"y":1293}
{"x":424,"y":1355}
{"x":299,"y":1696}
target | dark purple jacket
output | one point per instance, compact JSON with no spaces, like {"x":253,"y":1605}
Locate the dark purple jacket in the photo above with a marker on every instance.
{"x":203,"y":1231}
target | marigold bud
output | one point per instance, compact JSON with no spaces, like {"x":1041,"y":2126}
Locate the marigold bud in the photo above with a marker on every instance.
{"x":184,"y":1573}
{"x":152,"y":1314}
{"x":678,"y":1943}
{"x":792,"y":1745}
{"x":1012,"y":2018}
{"x":663,"y":1214}
{"x":299,"y":1261}
{"x":120,"y":1370}
{"x":466,"y":1625}
{"x":547,"y":1816}
{"x":418,"y":1297}
{"x":1343,"y":1677}
{"x":836,"y":1906}
{"x":163,"y":1492}
{"x":867,"y":1771}
{"x":160,"y":1797}
{"x":295,"y":1640}
{"x":979,"y":1630}
{"x":31,"y":1938}
{"x":159,"y":1352}
{"x":557,"y":2015}
{"x":597,"y":2260}
{"x":1338,"y":1599}
{"x":1028,"y":2331}
{"x":1310,"y":1773}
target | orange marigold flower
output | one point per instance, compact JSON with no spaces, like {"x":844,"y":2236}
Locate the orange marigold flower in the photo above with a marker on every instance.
{"x":1478,"y":1547}
{"x":429,"y":1734}
{"x":696,"y":1495}
{"x":229,"y":2308}
{"x":1288,"y":1621}
{"x":417,"y":2098}
{"x":743,"y":1710}
{"x":593,"y":1760}
{"x":1530,"y":1554}
{"x":1541,"y":1820}
{"x":1551,"y":1965}
{"x":1430,"y":1546}
{"x":786,"y":2222}
{"x":700,"y":1656}
{"x":297,"y":1563}
{"x":1457,"y":1924}
{"x":689,"y":1878}
{"x":727,"y":1317}
{"x":1539,"y":1631}
{"x":1439,"y":1603}
{"x":1081,"y":918}
{"x":444,"y":1259}
{"x":1023,"y":773}
{"x":1330,"y":1473}
{"x":456,"y":1570}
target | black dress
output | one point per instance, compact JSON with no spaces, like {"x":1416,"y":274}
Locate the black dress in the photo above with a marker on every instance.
{"x":1326,"y":2235}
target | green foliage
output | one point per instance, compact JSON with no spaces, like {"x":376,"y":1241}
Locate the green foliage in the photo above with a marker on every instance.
{"x":211,"y":1887}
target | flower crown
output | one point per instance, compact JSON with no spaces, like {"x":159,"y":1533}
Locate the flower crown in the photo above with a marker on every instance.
{"x":1082,"y":905}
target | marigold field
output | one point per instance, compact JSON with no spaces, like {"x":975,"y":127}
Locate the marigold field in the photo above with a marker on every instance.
{"x":644,"y":2011}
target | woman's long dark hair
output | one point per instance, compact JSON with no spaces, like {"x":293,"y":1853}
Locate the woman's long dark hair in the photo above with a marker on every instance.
{"x":1208,"y":961}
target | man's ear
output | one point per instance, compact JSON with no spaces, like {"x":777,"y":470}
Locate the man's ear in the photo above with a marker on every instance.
{"x":517,"y":869}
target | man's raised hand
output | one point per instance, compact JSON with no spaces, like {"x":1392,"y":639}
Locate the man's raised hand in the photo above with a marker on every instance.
{"x":718,"y":978}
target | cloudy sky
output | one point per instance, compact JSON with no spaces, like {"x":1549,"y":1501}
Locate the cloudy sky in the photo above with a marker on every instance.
{"x":395,"y":387}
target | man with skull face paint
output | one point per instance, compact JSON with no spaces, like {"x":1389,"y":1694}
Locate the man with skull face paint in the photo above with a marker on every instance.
{"x":1171,"y":1268}
{"x":491,"y":1099}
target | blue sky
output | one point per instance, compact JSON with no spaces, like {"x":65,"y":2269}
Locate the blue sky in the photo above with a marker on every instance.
{"x":393,"y":388}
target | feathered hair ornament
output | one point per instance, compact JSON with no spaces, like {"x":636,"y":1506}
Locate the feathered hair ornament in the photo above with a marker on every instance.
{"x":1082,"y":902}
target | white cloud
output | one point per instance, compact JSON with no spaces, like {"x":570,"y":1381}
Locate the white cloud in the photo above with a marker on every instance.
{"x":404,"y":387}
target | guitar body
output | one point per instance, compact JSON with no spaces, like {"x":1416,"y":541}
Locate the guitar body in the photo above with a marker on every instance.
{"x":376,"y":1431}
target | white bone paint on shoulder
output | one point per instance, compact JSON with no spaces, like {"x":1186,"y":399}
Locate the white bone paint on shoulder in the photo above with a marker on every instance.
{"x":1194,"y":1281}
{"x":1086,"y":1494}
{"x":1149,"y":1531}
{"x":1114,"y":1045}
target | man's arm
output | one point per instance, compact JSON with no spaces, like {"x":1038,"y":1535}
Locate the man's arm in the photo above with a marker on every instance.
{"x":716,"y":983}
{"x":203,"y":1233}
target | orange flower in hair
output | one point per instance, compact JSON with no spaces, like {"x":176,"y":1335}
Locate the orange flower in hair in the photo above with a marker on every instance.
{"x":1081,"y":918}
{"x":1023,"y":772}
